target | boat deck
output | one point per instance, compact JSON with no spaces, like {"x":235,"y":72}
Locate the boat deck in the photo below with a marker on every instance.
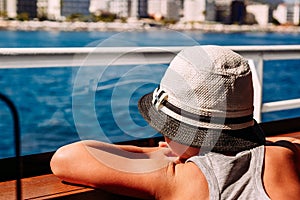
{"x":40,"y":183}
{"x":50,"y":187}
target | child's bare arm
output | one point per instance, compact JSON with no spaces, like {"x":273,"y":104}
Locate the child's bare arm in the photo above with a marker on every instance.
{"x":134,"y":171}
{"x":291,"y":137}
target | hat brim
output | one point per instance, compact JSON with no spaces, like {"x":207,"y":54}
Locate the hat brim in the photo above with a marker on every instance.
{"x":216,"y":140}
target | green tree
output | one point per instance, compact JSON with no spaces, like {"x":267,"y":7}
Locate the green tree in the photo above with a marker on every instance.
{"x":104,"y":17}
{"x":24,"y":16}
{"x":3,"y":14}
{"x":75,"y":17}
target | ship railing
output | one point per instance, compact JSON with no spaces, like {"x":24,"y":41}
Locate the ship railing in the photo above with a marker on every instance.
{"x":120,"y":56}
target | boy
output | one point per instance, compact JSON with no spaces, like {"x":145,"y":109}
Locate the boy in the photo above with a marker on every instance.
{"x":213,"y":147}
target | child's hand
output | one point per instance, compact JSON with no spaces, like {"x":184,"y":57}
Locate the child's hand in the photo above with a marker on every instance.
{"x":163,"y":144}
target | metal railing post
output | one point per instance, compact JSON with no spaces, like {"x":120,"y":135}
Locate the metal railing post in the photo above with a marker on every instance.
{"x":260,"y":73}
{"x":17,"y":138}
{"x":257,"y":86}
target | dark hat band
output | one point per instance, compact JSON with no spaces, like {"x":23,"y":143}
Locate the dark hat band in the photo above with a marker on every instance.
{"x":191,"y":135}
{"x":203,"y":118}
{"x":161,"y":103}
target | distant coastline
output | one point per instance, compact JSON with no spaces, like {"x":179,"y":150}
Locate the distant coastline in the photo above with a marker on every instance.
{"x":139,"y":26}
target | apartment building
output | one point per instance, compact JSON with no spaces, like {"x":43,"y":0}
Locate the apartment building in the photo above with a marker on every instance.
{"x":167,"y":9}
{"x":69,"y":7}
{"x":138,"y":9}
{"x":199,"y":10}
{"x":223,"y":11}
{"x":287,"y":13}
{"x":54,"y":10}
{"x":260,"y":13}
{"x":296,"y":17}
{"x":10,"y":7}
{"x":34,"y":8}
{"x":120,"y":7}
{"x":2,"y":6}
{"x":171,"y":9}
{"x":154,"y":8}
{"x":29,"y":7}
{"x":42,"y":8}
{"x":142,"y":8}
{"x":99,"y":5}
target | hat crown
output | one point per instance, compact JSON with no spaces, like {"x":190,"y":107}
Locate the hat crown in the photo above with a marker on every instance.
{"x":205,"y":99}
{"x":210,"y":80}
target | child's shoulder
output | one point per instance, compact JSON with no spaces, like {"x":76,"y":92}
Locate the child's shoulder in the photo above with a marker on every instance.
{"x":282,"y":170}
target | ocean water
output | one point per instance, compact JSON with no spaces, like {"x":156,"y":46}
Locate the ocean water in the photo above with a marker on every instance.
{"x":55,"y":110}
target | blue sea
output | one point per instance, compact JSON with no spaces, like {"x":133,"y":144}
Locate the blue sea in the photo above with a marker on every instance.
{"x":54,"y":110}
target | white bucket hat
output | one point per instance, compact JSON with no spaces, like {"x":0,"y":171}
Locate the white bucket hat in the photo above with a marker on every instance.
{"x":205,"y":99}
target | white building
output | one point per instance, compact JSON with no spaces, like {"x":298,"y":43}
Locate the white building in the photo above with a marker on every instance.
{"x":119,"y":7}
{"x":287,"y":13}
{"x":280,"y":14}
{"x":54,"y":10}
{"x":134,"y":11}
{"x":50,"y":9}
{"x":154,"y":8}
{"x":9,"y":7}
{"x":194,"y":10}
{"x":42,"y":8}
{"x":260,"y":12}
{"x":210,"y":10}
{"x":170,"y":9}
{"x":296,"y":19}
{"x":167,"y":9}
{"x":223,"y":2}
{"x":122,"y":8}
{"x":99,"y":5}
{"x":199,"y":10}
{"x":2,"y":6}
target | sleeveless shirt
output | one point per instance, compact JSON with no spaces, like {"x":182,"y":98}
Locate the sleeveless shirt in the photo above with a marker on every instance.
{"x":233,"y":177}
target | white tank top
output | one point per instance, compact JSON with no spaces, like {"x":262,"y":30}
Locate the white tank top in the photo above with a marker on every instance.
{"x":233,"y":177}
